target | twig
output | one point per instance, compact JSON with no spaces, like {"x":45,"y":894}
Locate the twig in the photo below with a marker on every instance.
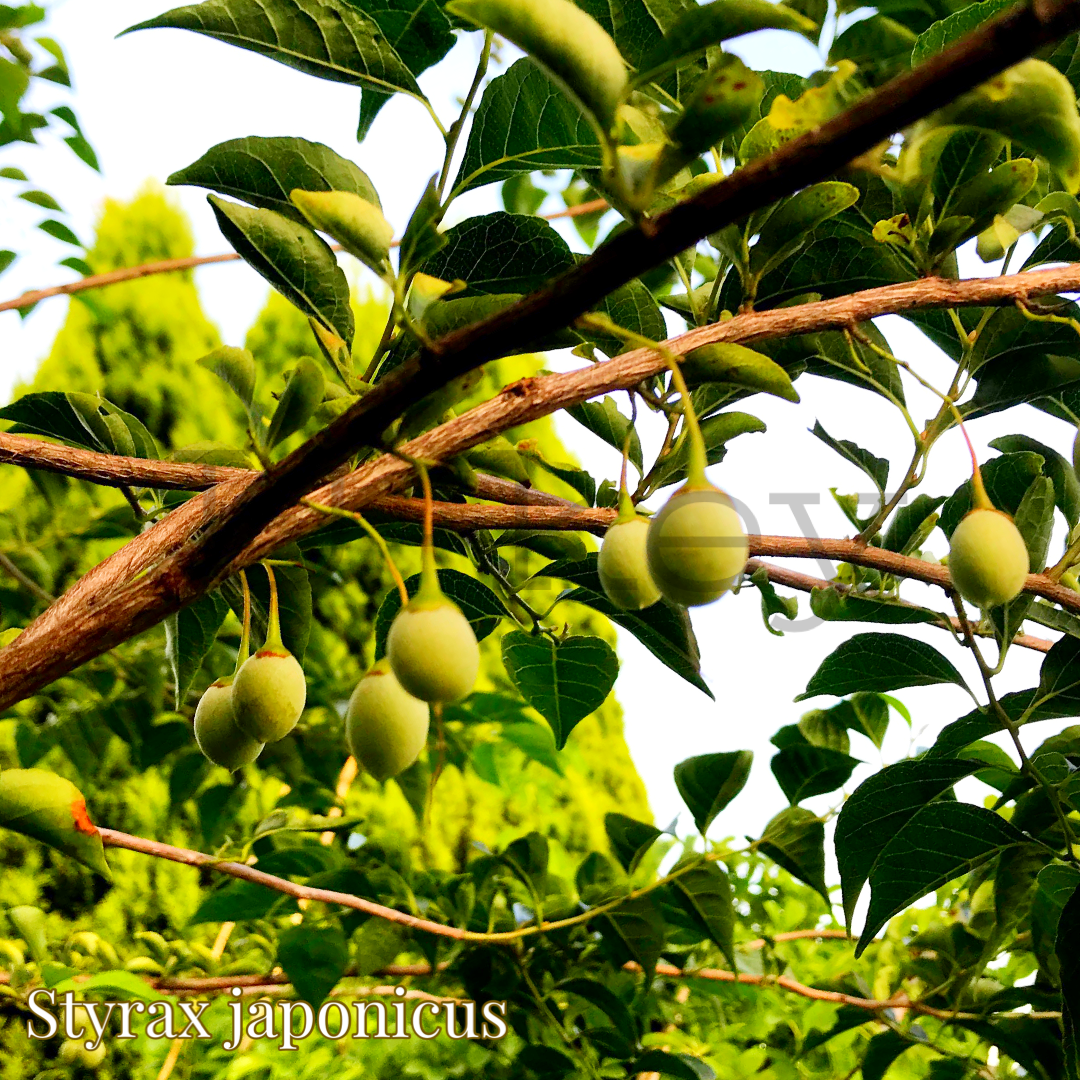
{"x":172,"y":266}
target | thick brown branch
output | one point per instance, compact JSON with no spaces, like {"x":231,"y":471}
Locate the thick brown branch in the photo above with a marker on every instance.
{"x":812,"y":157}
{"x":108,"y":605}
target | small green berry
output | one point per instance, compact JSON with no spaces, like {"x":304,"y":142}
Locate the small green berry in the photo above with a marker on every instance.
{"x":216,"y":731}
{"x":696,"y":545}
{"x":623,"y":565}
{"x":385,"y":727}
{"x":433,"y":650}
{"x":988,"y":559}
{"x":269,"y":693}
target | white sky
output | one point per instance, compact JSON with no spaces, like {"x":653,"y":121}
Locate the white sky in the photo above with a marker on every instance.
{"x":154,"y":102}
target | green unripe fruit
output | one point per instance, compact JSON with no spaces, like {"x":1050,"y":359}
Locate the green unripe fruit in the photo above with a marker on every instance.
{"x":624,"y":566}
{"x":433,"y":650}
{"x":269,"y":693}
{"x":385,"y":727}
{"x":697,"y":546}
{"x":988,"y":559}
{"x":216,"y":732}
{"x":570,"y":44}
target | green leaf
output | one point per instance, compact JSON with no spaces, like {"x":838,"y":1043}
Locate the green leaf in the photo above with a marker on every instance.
{"x":705,"y":894}
{"x":842,"y":257}
{"x":240,"y":901}
{"x":880,"y":806}
{"x":629,"y":839}
{"x":912,"y":524}
{"x":709,"y":782}
{"x":837,"y":605}
{"x":329,"y":39}
{"x":1055,"y":466}
{"x":702,"y":27}
{"x":422,"y":237}
{"x":501,"y":253}
{"x":580,"y":480}
{"x":1030,"y":103}
{"x":880,"y":662}
{"x":605,"y":421}
{"x":874,"y":467}
{"x":664,"y":629}
{"x":302,"y":396}
{"x":85,"y":420}
{"x":736,"y":365}
{"x":263,"y":172}
{"x":42,"y":199}
{"x":597,"y":994}
{"x":295,"y":261}
{"x":48,"y":808}
{"x":314,"y":958}
{"x":882,"y":1050}
{"x":527,"y":857}
{"x":788,"y":229}
{"x":634,"y":931}
{"x":525,"y":123}
{"x":236,"y":368}
{"x":59,"y":231}
{"x":125,"y":983}
{"x":717,"y":431}
{"x":7,"y":257}
{"x":772,"y":603}
{"x":795,"y":840}
{"x":1054,"y":888}
{"x":944,"y":32}
{"x":420,"y":32}
{"x":189,"y":636}
{"x":681,"y":1066}
{"x":563,"y":682}
{"x":480,"y":605}
{"x":632,"y":307}
{"x":1007,"y":479}
{"x":29,"y":924}
{"x":939,"y":843}
{"x":805,"y":771}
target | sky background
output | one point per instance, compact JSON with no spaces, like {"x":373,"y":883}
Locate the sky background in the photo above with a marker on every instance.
{"x":153,"y":102}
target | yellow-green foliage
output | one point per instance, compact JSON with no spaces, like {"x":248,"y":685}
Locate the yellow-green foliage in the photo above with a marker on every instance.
{"x":136,"y":343}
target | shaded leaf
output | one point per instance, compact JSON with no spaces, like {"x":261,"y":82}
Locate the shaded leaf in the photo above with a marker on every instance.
{"x":629,"y":839}
{"x":293,"y":259}
{"x":709,"y":782}
{"x":880,"y":806}
{"x":314,"y":958}
{"x":939,"y":843}
{"x":880,"y":662}
{"x":564,"y":682}
{"x":263,"y":172}
{"x":795,"y":840}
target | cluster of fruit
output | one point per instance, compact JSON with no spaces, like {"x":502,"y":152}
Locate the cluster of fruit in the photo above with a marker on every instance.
{"x":691,"y":552}
{"x":432,"y":657}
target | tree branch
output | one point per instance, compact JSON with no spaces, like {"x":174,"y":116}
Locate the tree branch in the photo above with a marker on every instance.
{"x":153,"y":575}
{"x":814,"y":156}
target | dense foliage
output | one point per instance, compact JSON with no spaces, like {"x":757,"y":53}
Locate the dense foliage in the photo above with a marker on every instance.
{"x":514,"y":860}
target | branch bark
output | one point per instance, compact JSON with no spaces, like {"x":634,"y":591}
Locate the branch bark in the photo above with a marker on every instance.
{"x":149,"y":578}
